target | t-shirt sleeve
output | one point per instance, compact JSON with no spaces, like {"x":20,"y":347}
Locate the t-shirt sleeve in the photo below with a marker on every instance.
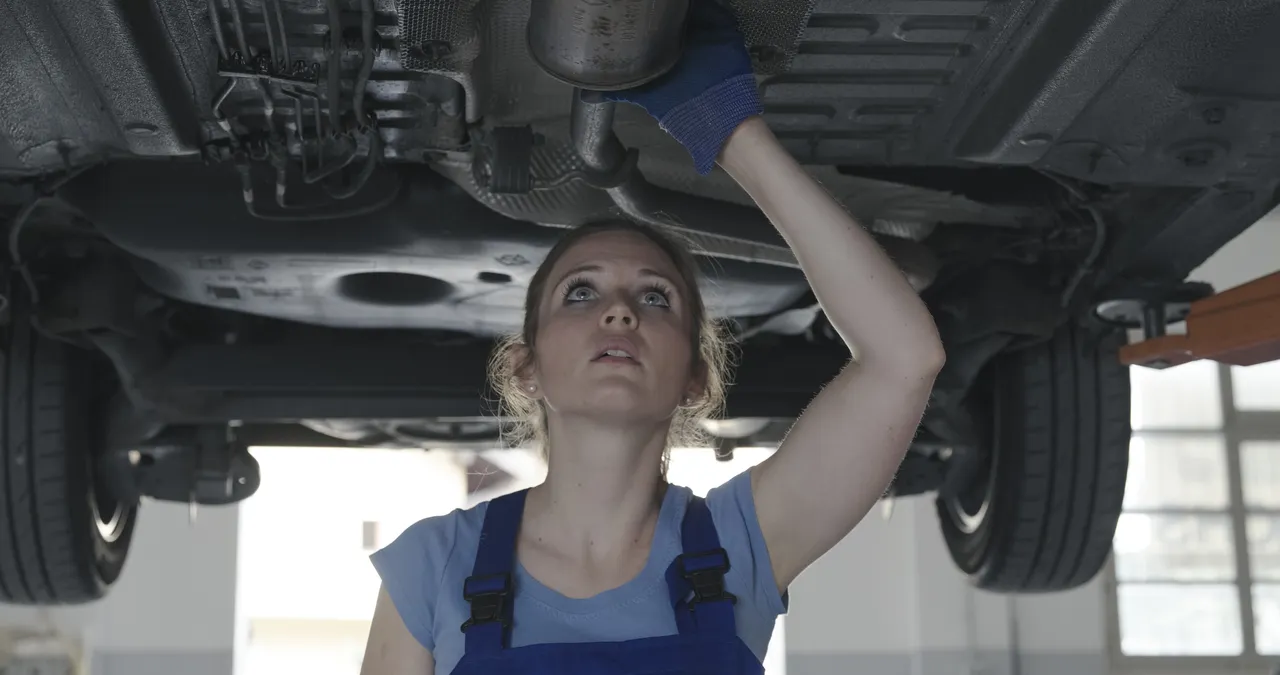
{"x":733,"y":509}
{"x":412,"y":568}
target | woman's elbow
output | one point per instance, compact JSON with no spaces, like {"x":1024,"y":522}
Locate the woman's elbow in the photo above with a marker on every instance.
{"x":929,"y":353}
{"x":918,"y":360}
{"x":932,"y":357}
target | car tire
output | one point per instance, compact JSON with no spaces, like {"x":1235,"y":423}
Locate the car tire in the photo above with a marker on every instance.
{"x":62,"y":540}
{"x":1043,"y":511}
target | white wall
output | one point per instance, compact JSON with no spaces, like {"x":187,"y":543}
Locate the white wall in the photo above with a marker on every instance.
{"x":307,"y":589}
{"x":889,"y":600}
{"x":301,"y":535}
{"x":173,"y":608}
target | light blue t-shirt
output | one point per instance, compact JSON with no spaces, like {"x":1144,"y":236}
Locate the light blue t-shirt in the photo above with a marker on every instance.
{"x":423,"y":571}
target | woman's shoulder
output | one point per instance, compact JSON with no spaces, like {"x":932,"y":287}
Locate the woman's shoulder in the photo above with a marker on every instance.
{"x":733,"y":510}
{"x":460,"y":520}
{"x":419,"y":564}
{"x":437,"y":538}
{"x":418,"y":559}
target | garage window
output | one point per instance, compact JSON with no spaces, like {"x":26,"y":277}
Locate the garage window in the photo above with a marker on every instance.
{"x":1197,"y":548}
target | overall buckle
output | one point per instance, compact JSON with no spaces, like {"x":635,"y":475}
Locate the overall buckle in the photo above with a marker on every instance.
{"x":488,"y":605}
{"x":706,"y":580}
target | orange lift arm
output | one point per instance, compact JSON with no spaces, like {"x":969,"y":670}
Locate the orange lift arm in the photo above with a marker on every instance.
{"x":1239,"y":326}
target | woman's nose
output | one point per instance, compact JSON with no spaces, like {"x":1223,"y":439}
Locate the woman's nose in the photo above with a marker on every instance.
{"x":619,"y":315}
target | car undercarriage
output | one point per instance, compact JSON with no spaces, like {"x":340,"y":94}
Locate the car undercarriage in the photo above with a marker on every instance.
{"x":247,"y":222}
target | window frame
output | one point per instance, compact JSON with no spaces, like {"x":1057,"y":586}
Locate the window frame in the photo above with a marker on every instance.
{"x":1238,"y":427}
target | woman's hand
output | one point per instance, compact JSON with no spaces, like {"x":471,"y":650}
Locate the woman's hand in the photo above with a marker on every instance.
{"x":842,"y":453}
{"x":709,"y":92}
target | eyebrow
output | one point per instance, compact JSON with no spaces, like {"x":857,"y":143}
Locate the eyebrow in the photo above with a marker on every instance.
{"x":579,"y":270}
{"x":644,"y":271}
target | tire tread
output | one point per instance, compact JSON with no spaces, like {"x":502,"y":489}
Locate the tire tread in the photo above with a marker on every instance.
{"x":1062,"y":468}
{"x":46,"y":556}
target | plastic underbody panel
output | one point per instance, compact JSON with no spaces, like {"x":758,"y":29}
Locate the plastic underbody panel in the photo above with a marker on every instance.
{"x":432,"y":259}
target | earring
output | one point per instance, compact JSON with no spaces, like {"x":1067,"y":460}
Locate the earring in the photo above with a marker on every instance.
{"x":688,"y":401}
{"x":533,"y":388}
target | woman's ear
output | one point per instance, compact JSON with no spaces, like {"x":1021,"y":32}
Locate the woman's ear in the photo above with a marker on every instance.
{"x":522,"y":368}
{"x":697,"y":386}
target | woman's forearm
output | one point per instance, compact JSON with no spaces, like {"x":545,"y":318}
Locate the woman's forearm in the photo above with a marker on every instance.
{"x":865,"y":296}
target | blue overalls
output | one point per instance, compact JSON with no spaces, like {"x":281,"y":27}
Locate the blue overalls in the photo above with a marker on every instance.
{"x":707,"y":642}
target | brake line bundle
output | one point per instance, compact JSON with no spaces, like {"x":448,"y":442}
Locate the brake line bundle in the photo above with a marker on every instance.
{"x":298,"y":82}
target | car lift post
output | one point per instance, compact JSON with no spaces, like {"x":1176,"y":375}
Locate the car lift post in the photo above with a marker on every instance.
{"x":1239,"y":326}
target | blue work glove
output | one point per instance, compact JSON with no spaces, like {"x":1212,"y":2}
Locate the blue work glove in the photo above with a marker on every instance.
{"x":712,"y":89}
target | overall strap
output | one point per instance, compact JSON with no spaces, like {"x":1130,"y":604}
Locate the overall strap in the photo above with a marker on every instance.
{"x":489,"y":590}
{"x":695,"y":578}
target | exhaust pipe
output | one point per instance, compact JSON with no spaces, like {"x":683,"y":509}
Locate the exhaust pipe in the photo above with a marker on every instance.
{"x":719,"y":229}
{"x":715,"y":228}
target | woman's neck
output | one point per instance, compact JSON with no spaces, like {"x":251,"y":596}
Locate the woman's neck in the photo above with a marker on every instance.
{"x":603,"y":490}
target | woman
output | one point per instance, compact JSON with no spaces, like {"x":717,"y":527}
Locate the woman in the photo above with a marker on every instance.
{"x":604,"y":567}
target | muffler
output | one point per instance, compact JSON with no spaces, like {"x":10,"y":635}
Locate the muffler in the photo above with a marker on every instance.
{"x":606,"y":45}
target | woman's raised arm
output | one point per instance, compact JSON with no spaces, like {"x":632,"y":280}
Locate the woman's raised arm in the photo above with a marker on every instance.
{"x":842,"y":453}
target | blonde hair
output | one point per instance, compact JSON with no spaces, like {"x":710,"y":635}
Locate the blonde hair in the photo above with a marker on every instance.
{"x":515,"y":353}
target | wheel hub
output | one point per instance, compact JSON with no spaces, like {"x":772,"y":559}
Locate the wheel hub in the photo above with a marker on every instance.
{"x":967,"y":515}
{"x":110,"y":517}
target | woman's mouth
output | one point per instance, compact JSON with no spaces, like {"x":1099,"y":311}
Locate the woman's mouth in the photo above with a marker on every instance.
{"x":616,"y":354}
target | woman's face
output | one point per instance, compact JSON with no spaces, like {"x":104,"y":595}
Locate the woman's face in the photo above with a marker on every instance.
{"x":613,"y":332}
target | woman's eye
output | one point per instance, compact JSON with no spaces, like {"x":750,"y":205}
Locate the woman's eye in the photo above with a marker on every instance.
{"x":655,"y":299}
{"x":580,"y":294}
